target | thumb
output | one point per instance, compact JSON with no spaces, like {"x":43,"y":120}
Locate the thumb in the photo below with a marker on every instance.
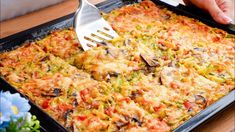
{"x":217,"y":14}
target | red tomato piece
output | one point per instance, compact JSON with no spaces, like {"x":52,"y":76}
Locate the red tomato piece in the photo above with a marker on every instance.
{"x":83,"y":94}
{"x":65,"y":107}
{"x":216,"y":39}
{"x":174,"y":85}
{"x":45,"y":104}
{"x":127,"y":99}
{"x":188,"y":105}
{"x":81,"y":118}
{"x":109,"y":111}
{"x":157,"y":108}
{"x":75,"y":44}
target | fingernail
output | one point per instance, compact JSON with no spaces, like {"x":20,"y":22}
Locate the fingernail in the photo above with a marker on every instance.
{"x":228,"y":19}
{"x":232,"y":22}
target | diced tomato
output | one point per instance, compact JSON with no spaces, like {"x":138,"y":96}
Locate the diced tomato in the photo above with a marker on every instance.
{"x":81,"y":118}
{"x":45,"y":104}
{"x":109,"y":111}
{"x":220,"y":70}
{"x":36,"y":75}
{"x":118,"y":19}
{"x":170,"y":33}
{"x":185,"y":52}
{"x":137,"y":59}
{"x":174,"y":85}
{"x":114,"y":27}
{"x":67,"y":38}
{"x":167,"y":44}
{"x":188,"y":105}
{"x":216,"y":39}
{"x":165,"y":58}
{"x":75,"y":44}
{"x":65,"y":107}
{"x":95,"y":104}
{"x":83,"y":93}
{"x":157,"y":108}
{"x":45,"y":49}
{"x":127,"y":99}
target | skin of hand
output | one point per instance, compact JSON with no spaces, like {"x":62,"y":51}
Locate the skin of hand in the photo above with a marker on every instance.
{"x":220,"y":10}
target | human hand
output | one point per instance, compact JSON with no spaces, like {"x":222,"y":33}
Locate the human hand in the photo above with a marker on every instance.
{"x":220,"y":10}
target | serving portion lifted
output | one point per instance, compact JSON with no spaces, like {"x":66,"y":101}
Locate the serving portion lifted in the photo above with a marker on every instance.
{"x":162,"y":70}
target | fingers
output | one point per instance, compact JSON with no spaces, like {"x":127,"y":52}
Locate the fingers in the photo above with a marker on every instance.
{"x":219,"y":11}
{"x":187,"y":2}
{"x":217,"y":14}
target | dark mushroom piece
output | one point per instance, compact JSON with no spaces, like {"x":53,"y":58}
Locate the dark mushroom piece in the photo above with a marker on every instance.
{"x":74,"y":94}
{"x":197,"y":49}
{"x":45,"y":58}
{"x":75,"y":103}
{"x":57,"y":92}
{"x":162,"y":46}
{"x":78,"y":75}
{"x":172,"y":64}
{"x":166,"y":17}
{"x":70,"y":128}
{"x":137,"y":121}
{"x":103,"y":43}
{"x":127,"y":42}
{"x":150,"y":69}
{"x":107,"y":50}
{"x":110,"y":75}
{"x":53,"y":93}
{"x":199,"y":99}
{"x":111,"y":52}
{"x":124,"y":52}
{"x":114,"y":74}
{"x":133,"y":95}
{"x":160,"y":80}
{"x":121,"y":124}
{"x":66,"y":116}
{"x":67,"y":113}
{"x":150,"y":59}
{"x":107,"y":78}
{"x":48,"y":68}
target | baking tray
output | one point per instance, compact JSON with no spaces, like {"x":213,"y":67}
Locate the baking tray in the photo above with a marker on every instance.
{"x":48,"y":124}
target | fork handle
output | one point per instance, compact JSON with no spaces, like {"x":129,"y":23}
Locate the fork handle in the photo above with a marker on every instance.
{"x":83,"y":2}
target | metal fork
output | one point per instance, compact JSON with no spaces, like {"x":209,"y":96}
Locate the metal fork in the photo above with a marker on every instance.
{"x":90,"y":26}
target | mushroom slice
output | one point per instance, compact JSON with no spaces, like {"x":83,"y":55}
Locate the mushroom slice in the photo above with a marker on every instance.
{"x":150,"y":59}
{"x":127,"y":42}
{"x":54,"y":92}
{"x":136,"y":120}
{"x":199,"y":99}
